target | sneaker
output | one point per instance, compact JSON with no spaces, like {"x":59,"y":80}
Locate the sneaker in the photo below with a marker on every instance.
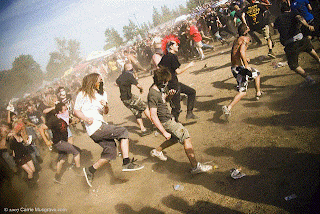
{"x":146,"y":132}
{"x":131,"y":166}
{"x":191,"y":116}
{"x":311,"y":82}
{"x":201,"y":168}
{"x":271,"y":54}
{"x":88,"y":175}
{"x":58,"y":181}
{"x":226,"y":112}
{"x":160,"y":155}
{"x":308,"y":83}
{"x":259,"y":96}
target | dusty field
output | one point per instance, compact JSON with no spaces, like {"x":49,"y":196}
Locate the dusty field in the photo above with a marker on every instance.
{"x":274,"y":141}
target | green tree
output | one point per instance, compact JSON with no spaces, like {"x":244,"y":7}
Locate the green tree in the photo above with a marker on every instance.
{"x":156,"y":17}
{"x":24,"y":76}
{"x":182,"y":9}
{"x":113,"y":38}
{"x":166,"y":13}
{"x":191,"y":4}
{"x":67,"y":55}
{"x":130,"y":31}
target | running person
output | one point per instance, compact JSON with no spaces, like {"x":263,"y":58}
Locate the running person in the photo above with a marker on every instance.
{"x":173,"y":131}
{"x":91,"y":103}
{"x":241,"y":70}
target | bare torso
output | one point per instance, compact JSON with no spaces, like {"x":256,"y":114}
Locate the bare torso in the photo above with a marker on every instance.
{"x":238,"y":50}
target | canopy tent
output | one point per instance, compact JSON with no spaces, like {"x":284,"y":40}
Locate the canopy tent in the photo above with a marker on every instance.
{"x":99,"y":54}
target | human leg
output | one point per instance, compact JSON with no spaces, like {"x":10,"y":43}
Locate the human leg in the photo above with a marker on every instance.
{"x":175,"y":105}
{"x":236,"y":99}
{"x":314,"y":55}
{"x":42,"y":129}
{"x":196,"y":167}
{"x":28,"y":168}
{"x":191,"y":93}
{"x":188,"y":148}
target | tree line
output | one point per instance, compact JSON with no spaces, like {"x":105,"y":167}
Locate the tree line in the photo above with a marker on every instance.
{"x":26,"y":74}
{"x":114,"y":39}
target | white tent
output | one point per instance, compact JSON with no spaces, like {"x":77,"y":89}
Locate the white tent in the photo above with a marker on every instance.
{"x":99,"y":54}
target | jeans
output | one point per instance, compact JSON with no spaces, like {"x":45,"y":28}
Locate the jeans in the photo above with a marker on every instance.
{"x":175,"y":101}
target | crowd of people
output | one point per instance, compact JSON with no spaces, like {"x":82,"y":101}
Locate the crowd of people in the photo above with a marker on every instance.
{"x":49,"y":117}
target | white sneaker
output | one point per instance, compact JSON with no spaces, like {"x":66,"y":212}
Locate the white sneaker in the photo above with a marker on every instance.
{"x":201,"y":168}
{"x":226,"y":112}
{"x":160,"y":155}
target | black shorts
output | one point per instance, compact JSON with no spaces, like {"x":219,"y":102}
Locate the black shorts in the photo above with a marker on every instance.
{"x":294,"y":49}
{"x":64,"y":148}
{"x":23,"y":160}
{"x":105,"y":136}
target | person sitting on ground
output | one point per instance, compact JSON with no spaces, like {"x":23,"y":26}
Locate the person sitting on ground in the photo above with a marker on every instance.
{"x":173,"y":131}
{"x":131,"y":101}
{"x":288,"y":25}
{"x":241,"y":70}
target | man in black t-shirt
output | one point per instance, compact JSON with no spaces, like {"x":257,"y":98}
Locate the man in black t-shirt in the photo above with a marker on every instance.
{"x":131,"y":101}
{"x":288,"y":25}
{"x":254,"y":17}
{"x":170,"y":61}
{"x":59,"y":128}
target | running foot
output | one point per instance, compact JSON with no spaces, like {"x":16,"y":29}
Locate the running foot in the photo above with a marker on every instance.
{"x":88,"y":175}
{"x":201,"y":168}
{"x":160,"y":155}
{"x":271,"y":54}
{"x":226,"y":112}
{"x":131,"y":166}
{"x":191,"y":116}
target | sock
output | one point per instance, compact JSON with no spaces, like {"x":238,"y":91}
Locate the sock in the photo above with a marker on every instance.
{"x":92,"y":170}
{"x":126,"y":161}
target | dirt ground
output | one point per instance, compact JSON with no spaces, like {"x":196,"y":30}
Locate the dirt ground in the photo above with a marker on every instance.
{"x":275,"y":142}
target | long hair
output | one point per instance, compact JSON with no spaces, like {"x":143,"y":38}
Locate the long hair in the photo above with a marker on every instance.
{"x":50,"y":100}
{"x":88,"y":86}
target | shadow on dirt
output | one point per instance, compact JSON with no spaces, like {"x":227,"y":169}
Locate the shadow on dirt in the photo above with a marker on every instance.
{"x":182,"y":206}
{"x":127,"y":209}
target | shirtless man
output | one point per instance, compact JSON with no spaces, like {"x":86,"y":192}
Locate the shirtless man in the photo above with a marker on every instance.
{"x":241,"y":70}
{"x":134,"y":61}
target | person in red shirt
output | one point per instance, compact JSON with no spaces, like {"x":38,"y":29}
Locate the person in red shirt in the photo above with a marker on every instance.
{"x":196,"y":37}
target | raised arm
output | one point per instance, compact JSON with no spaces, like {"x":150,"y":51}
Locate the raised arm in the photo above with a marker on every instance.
{"x":181,"y":70}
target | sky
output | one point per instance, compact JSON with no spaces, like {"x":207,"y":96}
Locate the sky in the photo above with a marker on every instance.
{"x":30,"y":26}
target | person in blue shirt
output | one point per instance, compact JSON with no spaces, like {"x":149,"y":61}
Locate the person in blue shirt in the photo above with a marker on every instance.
{"x":303,"y":8}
